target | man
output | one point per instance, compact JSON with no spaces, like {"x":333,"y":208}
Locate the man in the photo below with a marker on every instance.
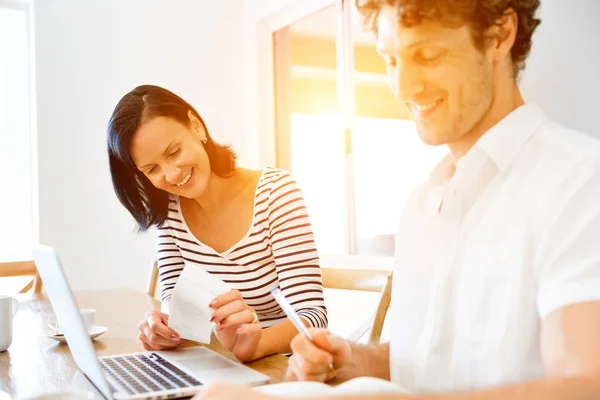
{"x":497,"y":285}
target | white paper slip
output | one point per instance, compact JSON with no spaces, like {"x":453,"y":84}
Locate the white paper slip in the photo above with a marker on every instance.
{"x":189,"y":311}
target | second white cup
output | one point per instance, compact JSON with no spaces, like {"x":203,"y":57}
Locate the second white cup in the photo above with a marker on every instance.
{"x":89,"y":318}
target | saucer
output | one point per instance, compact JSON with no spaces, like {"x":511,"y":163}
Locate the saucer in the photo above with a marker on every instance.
{"x":94,"y":332}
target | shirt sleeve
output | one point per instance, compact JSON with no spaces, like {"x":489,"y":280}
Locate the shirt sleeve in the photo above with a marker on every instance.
{"x":294,"y":250}
{"x":569,"y":253}
{"x":170,"y":264}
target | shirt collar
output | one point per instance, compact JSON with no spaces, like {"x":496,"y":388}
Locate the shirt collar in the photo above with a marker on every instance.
{"x":442,"y":172}
{"x":501,"y":143}
{"x":504,"y":140}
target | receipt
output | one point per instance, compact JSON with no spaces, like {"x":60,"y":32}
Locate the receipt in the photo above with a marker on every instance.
{"x":189,"y":311}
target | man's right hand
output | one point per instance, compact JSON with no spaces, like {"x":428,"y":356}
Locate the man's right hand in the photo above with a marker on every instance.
{"x":311,"y":360}
{"x":155,"y":333}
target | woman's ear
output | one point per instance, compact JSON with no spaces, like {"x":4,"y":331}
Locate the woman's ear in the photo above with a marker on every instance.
{"x":194,"y":123}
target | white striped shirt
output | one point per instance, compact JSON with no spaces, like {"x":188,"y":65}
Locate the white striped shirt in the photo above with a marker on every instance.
{"x":277,"y":251}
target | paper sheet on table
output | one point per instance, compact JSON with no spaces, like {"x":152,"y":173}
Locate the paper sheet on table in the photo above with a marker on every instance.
{"x":189,"y":311}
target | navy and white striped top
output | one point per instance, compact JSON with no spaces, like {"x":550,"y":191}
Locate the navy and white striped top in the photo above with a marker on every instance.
{"x":278,"y":251}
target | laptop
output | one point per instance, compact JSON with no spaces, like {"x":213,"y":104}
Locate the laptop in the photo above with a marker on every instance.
{"x":144,"y":375}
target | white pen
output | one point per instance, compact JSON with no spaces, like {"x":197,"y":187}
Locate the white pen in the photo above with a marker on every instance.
{"x":291,"y":314}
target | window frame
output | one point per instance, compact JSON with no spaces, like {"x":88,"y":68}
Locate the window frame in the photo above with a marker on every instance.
{"x":273,"y":122}
{"x":27,"y":7}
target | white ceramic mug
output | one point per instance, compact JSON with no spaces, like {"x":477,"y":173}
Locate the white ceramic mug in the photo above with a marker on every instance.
{"x":8,"y":309}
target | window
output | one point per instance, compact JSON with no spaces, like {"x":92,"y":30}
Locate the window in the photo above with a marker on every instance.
{"x":350,"y":144}
{"x":19,"y":220}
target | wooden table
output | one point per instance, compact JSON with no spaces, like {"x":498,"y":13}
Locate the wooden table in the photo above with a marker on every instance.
{"x":35,"y":364}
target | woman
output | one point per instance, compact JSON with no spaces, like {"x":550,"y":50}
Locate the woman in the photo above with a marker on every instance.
{"x":249,"y":228}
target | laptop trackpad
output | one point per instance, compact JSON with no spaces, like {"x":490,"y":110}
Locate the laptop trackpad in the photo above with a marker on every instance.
{"x":209,"y":363}
{"x":210,"y":366}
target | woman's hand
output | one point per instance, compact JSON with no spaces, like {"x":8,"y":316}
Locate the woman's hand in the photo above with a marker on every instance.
{"x":155,"y":334}
{"x":236,"y":325}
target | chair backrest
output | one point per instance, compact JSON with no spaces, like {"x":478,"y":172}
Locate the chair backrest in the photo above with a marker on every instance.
{"x":22,"y":268}
{"x":152,"y":280}
{"x":339,"y":278}
{"x":364,"y":280}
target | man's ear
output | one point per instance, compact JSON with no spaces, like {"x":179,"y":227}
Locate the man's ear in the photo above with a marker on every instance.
{"x":503,"y":34}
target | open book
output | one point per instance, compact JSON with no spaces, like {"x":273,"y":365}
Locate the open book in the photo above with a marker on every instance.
{"x":356,"y":386}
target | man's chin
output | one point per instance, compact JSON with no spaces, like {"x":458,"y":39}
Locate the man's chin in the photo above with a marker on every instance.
{"x":430,"y":137}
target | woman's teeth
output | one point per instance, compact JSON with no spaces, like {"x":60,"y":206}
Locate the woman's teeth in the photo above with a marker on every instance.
{"x":186,"y":179}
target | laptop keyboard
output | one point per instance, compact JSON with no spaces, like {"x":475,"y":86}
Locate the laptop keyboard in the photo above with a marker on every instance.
{"x":144,"y":373}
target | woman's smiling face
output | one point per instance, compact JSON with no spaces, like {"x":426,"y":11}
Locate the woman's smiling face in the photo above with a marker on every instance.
{"x":172,"y":156}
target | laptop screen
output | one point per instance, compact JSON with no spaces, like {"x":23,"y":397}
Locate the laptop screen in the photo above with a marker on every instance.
{"x":68,"y":317}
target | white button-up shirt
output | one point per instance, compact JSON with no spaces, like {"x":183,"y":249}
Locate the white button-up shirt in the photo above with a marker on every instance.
{"x":486,"y":251}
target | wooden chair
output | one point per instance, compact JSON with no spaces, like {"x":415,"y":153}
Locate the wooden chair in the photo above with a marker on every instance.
{"x":363,"y":280}
{"x":339,"y":278}
{"x":152,"y":279}
{"x":22,"y":268}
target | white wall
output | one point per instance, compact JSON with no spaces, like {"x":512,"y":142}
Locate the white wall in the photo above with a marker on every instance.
{"x":563,"y":71}
{"x":88,"y":55}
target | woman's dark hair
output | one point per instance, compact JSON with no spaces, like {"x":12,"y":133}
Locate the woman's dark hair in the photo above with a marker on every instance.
{"x":146,"y":203}
{"x":479,"y":14}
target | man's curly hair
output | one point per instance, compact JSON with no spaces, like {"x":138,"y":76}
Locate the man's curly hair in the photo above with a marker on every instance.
{"x":479,"y":14}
